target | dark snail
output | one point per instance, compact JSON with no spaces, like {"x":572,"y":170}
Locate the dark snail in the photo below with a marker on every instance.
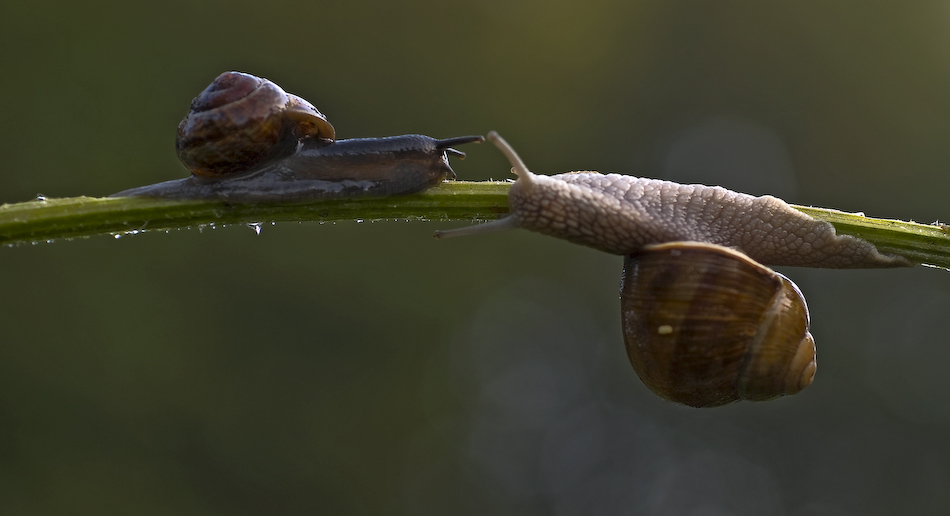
{"x":245,"y":140}
{"x":705,"y":322}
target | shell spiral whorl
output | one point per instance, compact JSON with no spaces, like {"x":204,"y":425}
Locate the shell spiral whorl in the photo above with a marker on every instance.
{"x":705,"y":325}
{"x":241,"y":121}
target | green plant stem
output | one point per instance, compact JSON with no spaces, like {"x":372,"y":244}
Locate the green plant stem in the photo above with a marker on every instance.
{"x":52,"y":219}
{"x":925,"y":244}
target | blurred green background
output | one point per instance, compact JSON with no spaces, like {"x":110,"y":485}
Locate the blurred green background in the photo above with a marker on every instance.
{"x":368,"y":369}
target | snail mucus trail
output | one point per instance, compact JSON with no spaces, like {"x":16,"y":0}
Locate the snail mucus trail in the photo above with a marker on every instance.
{"x":245,"y":140}
{"x":705,"y":322}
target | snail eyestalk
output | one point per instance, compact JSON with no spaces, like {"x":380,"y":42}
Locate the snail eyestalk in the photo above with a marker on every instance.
{"x":459,"y":140}
{"x":446,"y":144}
{"x":517,"y":166}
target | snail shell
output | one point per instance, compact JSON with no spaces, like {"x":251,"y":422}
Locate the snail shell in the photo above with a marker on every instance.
{"x":240,"y":121}
{"x":245,"y":140}
{"x":705,"y":325}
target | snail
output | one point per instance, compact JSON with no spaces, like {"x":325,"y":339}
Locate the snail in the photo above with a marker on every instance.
{"x":705,"y":321}
{"x":245,"y":140}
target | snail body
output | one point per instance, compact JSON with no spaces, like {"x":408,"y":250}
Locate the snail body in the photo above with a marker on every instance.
{"x":705,"y":322}
{"x":245,"y":140}
{"x":370,"y":167}
{"x":621,"y":214}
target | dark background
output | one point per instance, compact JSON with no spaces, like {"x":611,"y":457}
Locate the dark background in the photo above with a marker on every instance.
{"x":369,"y":369}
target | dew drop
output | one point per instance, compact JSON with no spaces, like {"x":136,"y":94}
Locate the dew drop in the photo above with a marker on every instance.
{"x":40,"y":197}
{"x":256,"y":226}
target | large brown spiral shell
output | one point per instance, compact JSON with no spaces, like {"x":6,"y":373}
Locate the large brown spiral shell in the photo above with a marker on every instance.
{"x":241,"y":121}
{"x":705,"y":325}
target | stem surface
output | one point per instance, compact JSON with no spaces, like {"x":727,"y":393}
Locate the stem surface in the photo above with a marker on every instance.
{"x":53,"y":219}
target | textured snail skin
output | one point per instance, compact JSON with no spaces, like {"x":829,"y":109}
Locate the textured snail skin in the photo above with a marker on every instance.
{"x":358,"y":167}
{"x":621,"y":214}
{"x":705,"y":325}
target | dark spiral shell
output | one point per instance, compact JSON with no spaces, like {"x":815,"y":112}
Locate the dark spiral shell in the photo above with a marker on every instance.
{"x":241,"y":121}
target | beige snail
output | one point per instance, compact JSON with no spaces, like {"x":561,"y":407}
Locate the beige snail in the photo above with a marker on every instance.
{"x":245,"y":140}
{"x":705,"y":322}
